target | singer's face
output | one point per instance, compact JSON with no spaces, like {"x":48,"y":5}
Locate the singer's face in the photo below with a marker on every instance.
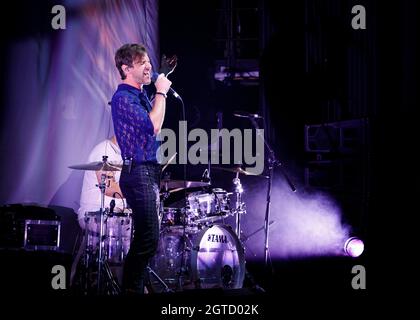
{"x":142,"y":70}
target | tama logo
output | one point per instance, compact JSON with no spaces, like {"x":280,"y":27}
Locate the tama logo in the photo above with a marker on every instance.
{"x":217,"y":238}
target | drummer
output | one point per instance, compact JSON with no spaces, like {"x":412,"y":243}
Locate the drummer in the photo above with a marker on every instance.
{"x":90,"y":198}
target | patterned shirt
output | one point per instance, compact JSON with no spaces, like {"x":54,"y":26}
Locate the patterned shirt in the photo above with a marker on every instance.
{"x":132,"y":125}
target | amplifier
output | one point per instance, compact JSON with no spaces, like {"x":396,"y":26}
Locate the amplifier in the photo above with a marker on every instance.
{"x":30,"y":227}
{"x":41,"y":235}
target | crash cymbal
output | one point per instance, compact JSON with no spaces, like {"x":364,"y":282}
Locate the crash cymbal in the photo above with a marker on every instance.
{"x":167,"y":184}
{"x":98,"y":166}
{"x":237,"y":169}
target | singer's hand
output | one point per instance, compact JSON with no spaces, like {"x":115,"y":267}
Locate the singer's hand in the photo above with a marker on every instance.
{"x":162,"y":84}
{"x":167,"y":65}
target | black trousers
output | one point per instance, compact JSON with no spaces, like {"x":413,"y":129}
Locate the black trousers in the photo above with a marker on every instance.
{"x":141,"y":189}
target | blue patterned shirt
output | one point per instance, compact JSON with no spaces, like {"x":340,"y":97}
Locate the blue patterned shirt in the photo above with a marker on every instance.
{"x":132,"y":125}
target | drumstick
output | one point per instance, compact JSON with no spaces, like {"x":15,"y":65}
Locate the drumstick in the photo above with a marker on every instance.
{"x":170,"y":160}
{"x":173,"y":190}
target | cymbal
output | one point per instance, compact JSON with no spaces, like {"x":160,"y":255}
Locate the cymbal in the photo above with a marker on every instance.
{"x":179,"y":184}
{"x":237,"y":169}
{"x":98,"y":166}
{"x":244,"y":114}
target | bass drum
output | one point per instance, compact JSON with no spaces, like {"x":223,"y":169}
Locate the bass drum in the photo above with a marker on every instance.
{"x":209,"y":258}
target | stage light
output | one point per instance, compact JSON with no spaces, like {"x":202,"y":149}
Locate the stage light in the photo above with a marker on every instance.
{"x":354,"y":247}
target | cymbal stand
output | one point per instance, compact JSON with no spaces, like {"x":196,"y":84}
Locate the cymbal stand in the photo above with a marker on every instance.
{"x":240,"y":210}
{"x":102,"y":263}
{"x":102,"y":187}
{"x":106,"y":282}
{"x":240,"y":206}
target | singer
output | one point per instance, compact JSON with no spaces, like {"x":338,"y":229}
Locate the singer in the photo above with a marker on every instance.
{"x":136,"y":124}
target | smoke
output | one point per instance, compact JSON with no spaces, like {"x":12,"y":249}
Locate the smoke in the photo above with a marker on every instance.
{"x":305,"y":223}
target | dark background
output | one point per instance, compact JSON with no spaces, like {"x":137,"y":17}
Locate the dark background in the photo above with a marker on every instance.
{"x":383,"y":78}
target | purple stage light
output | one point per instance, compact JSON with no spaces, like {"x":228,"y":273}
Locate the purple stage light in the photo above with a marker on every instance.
{"x":354,"y":247}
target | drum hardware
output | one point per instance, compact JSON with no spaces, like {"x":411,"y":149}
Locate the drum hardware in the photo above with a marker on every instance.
{"x":102,"y":186}
{"x":211,"y":219}
{"x":161,"y":282}
{"x":240,"y":206}
{"x":244,"y":238}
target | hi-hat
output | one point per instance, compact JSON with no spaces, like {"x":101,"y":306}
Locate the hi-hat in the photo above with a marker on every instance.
{"x":98,"y":166}
{"x":167,"y":184}
{"x":237,"y":169}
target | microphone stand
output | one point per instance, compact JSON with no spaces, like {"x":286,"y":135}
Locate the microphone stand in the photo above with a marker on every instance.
{"x":273,"y":162}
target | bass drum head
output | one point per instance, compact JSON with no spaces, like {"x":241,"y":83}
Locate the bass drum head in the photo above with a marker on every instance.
{"x":218,"y":259}
{"x":209,"y":258}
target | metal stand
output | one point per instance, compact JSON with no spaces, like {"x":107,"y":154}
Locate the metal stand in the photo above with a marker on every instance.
{"x":114,"y":288}
{"x":240,"y":209}
{"x":104,"y":276}
{"x":159,"y":279}
{"x":165,"y":195}
{"x":85,"y":263}
{"x":272,"y":163}
{"x":240,"y":206}
{"x":102,"y":187}
{"x":103,"y":267}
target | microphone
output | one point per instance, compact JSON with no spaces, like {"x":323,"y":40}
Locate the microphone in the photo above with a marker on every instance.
{"x":171,"y":91}
{"x":243,"y":114}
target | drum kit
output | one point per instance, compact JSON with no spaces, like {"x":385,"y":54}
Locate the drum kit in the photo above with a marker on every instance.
{"x":196,"y":248}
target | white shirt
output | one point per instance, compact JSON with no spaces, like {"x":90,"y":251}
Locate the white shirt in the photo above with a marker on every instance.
{"x":90,"y":198}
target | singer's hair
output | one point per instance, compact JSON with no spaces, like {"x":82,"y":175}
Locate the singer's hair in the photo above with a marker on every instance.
{"x":127,"y":54}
